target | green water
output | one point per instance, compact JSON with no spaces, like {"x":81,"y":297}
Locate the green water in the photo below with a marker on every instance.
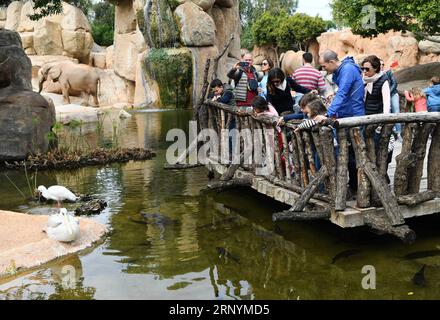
{"x":179,"y":259}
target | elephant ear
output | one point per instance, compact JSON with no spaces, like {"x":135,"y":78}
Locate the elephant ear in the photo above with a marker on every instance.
{"x":55,"y":73}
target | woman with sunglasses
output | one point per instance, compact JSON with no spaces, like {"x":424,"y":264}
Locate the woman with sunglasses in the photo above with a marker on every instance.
{"x":377,"y":88}
{"x":281,"y":91}
{"x":377,"y":96}
{"x":266,"y":66}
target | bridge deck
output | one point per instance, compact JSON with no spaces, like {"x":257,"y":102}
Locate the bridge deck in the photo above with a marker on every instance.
{"x":352,"y":216}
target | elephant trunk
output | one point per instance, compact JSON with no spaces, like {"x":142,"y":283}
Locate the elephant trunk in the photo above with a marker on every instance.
{"x":40,"y":81}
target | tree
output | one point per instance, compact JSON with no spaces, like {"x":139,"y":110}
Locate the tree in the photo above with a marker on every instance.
{"x":285,"y":31}
{"x":45,"y":8}
{"x":251,"y":10}
{"x":103,"y":23}
{"x":371,"y":17}
{"x":299,"y":29}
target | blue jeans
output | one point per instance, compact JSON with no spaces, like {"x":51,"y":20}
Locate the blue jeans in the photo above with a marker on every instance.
{"x":296,"y":108}
{"x":395,"y":108}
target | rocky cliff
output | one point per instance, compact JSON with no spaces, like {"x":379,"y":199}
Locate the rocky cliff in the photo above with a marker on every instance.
{"x":159,"y":51}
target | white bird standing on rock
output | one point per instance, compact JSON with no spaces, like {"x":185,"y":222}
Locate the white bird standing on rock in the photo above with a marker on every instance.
{"x":57,"y":193}
{"x":63,"y":227}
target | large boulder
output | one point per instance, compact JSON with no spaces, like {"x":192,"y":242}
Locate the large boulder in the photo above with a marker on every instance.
{"x":146,"y":89}
{"x":225,"y":3}
{"x":264,"y":52}
{"x":197,"y":28}
{"x":125,"y":55}
{"x":74,"y":19}
{"x":26,"y":24}
{"x":47,"y":38}
{"x":26,"y":117}
{"x":204,"y":4}
{"x":427,"y":46}
{"x":404,"y":49}
{"x":27,"y":39}
{"x":13,"y":15}
{"x":157,"y":23}
{"x":3,"y":12}
{"x":77,"y":44}
{"x":114,"y":89}
{"x":110,"y":56}
{"x":125,"y":17}
{"x":67,"y":33}
{"x":391,"y":46}
{"x":232,"y":26}
{"x":199,"y":57}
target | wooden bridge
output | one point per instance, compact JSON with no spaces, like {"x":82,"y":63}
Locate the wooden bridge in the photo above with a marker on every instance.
{"x":312,"y":177}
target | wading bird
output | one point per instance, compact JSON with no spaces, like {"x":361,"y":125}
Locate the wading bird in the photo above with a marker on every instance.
{"x":57,"y":193}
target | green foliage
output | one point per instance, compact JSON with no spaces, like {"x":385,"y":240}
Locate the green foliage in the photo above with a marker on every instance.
{"x":418,"y":16}
{"x":45,"y":8}
{"x":251,"y":10}
{"x":285,"y":31}
{"x":172,"y":70}
{"x":265,"y":29}
{"x":103,"y":23}
{"x":246,"y":37}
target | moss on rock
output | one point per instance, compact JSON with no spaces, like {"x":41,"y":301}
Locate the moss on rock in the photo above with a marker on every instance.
{"x":172,"y":70}
{"x":158,"y":24}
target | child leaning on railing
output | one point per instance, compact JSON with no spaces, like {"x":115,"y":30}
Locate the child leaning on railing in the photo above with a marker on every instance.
{"x":416,"y":96}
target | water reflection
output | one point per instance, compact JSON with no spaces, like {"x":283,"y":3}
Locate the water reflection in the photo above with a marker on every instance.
{"x":172,"y":239}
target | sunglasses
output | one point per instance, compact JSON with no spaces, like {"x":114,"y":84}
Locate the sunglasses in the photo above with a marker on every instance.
{"x":365,"y":69}
{"x":276,"y":81}
{"x":264,"y":64}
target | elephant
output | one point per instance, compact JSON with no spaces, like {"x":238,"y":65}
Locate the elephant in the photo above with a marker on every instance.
{"x":290,"y":61}
{"x":72,"y":77}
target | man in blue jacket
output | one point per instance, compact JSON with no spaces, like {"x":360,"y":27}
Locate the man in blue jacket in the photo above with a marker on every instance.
{"x":348,"y":100}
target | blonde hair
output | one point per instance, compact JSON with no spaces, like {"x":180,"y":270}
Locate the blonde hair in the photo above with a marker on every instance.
{"x":417,"y":92}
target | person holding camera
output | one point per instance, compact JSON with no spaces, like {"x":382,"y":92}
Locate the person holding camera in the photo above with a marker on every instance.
{"x":246,"y":79}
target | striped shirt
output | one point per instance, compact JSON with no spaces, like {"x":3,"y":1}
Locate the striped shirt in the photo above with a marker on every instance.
{"x":307,"y":124}
{"x":307,"y":76}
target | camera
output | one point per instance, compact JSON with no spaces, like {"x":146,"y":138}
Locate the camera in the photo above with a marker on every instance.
{"x":243,"y":64}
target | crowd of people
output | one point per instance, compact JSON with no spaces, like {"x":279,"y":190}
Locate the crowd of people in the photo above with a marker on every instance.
{"x":341,"y":89}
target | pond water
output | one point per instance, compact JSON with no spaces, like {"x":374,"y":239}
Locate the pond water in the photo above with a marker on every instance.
{"x":206,"y":245}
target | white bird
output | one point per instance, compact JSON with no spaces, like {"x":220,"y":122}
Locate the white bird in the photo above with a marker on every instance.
{"x":57,"y":193}
{"x":63,"y":227}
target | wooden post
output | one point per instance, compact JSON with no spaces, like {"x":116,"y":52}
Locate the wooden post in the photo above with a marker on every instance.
{"x":297,"y":188}
{"x":278,"y":166}
{"x":381,"y":224}
{"x":309,"y":152}
{"x":434,"y":161}
{"x":295,"y":160}
{"x":311,"y":189}
{"x":404,"y":160}
{"x":364,"y":193}
{"x":286,"y":154}
{"x":329,"y":158}
{"x":419,"y":149}
{"x":389,"y":201}
{"x":416,"y":198}
{"x":382,"y":154}
{"x":302,"y":160}
{"x":342,"y":171}
{"x":300,"y":215}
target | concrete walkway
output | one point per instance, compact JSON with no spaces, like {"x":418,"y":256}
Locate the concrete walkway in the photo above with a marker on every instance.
{"x":24,"y":245}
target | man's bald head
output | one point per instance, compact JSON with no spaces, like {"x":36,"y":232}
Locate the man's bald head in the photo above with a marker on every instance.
{"x":329,"y":61}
